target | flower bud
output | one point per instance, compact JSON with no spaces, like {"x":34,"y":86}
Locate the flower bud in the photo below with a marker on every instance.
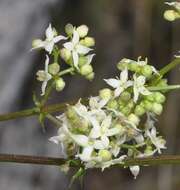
{"x":157,"y":108}
{"x":105,"y":155}
{"x":133,"y":66}
{"x":41,"y":76}
{"x":89,"y":42}
{"x":139,"y":110}
{"x":82,"y":31}
{"x":122,"y":65}
{"x":150,"y":97}
{"x":159,"y":97}
{"x":82,"y":60}
{"x":146,"y":71}
{"x":86,"y":69}
{"x":60,"y":84}
{"x":36,"y":43}
{"x":105,"y":94}
{"x":69,"y":29}
{"x":148,"y":150}
{"x":147,"y":105}
{"x":54,"y":68}
{"x":126,"y":110}
{"x":120,"y":127}
{"x":170,"y":15}
{"x":125,"y":96}
{"x":90,"y":76}
{"x":134,"y":119}
{"x":112,"y":104}
{"x":65,"y":54}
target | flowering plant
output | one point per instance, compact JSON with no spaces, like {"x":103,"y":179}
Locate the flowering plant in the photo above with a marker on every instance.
{"x":118,"y":123}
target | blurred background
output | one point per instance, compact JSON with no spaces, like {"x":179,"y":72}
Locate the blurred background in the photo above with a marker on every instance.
{"x":122,"y":29}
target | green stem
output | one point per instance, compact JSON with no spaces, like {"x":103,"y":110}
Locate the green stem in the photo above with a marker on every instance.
{"x":54,"y":120}
{"x":169,"y":87}
{"x":165,"y":70}
{"x":50,"y":86}
{"x":24,"y":159}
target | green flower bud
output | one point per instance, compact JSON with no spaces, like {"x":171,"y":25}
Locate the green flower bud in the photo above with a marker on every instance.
{"x":60,"y":84}
{"x":139,"y":110}
{"x":134,"y":119}
{"x":170,"y":15}
{"x":69,"y":29}
{"x":121,"y":65}
{"x":71,"y":113}
{"x":65,"y":54}
{"x":121,"y":128}
{"x":130,"y":104}
{"x":54,"y":68}
{"x":148,"y":150}
{"x":82,"y":60}
{"x":105,"y":94}
{"x":82,"y":31}
{"x":163,"y":83}
{"x":90,"y":76}
{"x":105,"y":155}
{"x":126,"y":110}
{"x":113,"y":104}
{"x":147,"y":105}
{"x":159,"y":97}
{"x":89,"y":42}
{"x":150,"y":97}
{"x":157,"y":108}
{"x":125,"y":96}
{"x":146,"y":71}
{"x":86,"y":69}
{"x":133,"y":66}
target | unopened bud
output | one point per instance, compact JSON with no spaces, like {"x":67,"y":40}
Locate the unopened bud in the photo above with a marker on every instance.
{"x":125,"y":96}
{"x":170,"y":15}
{"x":146,"y":71}
{"x":82,"y":31}
{"x":147,"y":105}
{"x":139,"y":110}
{"x":105,"y":155}
{"x":105,"y":94}
{"x":54,"y":68}
{"x":89,"y":42}
{"x":69,"y":29}
{"x":60,"y":84}
{"x":86,"y":69}
{"x":90,"y":76}
{"x":159,"y":98}
{"x":157,"y":108}
{"x":112,"y":104}
{"x":82,"y":60}
{"x":65,"y":54}
{"x":134,"y":119}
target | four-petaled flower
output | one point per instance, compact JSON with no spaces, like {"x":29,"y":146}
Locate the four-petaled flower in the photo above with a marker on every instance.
{"x":44,"y":76}
{"x":51,"y":39}
{"x":76,"y":48}
{"x":120,"y":84}
{"x":139,"y":88}
{"x":158,"y":141}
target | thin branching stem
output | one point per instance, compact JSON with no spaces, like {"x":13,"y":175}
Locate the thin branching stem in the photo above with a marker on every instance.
{"x":24,"y":159}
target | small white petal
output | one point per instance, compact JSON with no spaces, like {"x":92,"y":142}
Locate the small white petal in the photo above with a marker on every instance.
{"x":105,"y":141}
{"x":95,"y":133}
{"x":136,"y":94}
{"x":43,"y":88}
{"x":118,"y":91}
{"x":49,"y":32}
{"x":55,"y":139}
{"x":134,"y":170}
{"x":112,"y":132}
{"x":112,"y":82}
{"x":81,"y":140}
{"x":49,"y":46}
{"x":69,"y":46}
{"x":98,"y":144}
{"x":124,"y":75}
{"x":86,"y":154}
{"x":75,"y":59}
{"x":75,"y":39}
{"x":82,"y":49}
{"x":90,"y":58}
{"x":59,"y":38}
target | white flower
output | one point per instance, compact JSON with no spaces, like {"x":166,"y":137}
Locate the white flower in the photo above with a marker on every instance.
{"x":145,"y":62}
{"x":44,"y":76}
{"x":134,"y":170}
{"x":76,"y":48}
{"x":158,"y":142}
{"x":139,"y":87}
{"x":103,"y":131}
{"x":120,"y":84}
{"x":51,"y":39}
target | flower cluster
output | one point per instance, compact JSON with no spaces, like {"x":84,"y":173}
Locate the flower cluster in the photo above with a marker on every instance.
{"x":75,"y":51}
{"x":174,"y":13}
{"x":117,"y":124}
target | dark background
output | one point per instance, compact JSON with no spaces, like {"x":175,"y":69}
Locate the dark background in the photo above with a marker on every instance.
{"x":122,"y":28}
